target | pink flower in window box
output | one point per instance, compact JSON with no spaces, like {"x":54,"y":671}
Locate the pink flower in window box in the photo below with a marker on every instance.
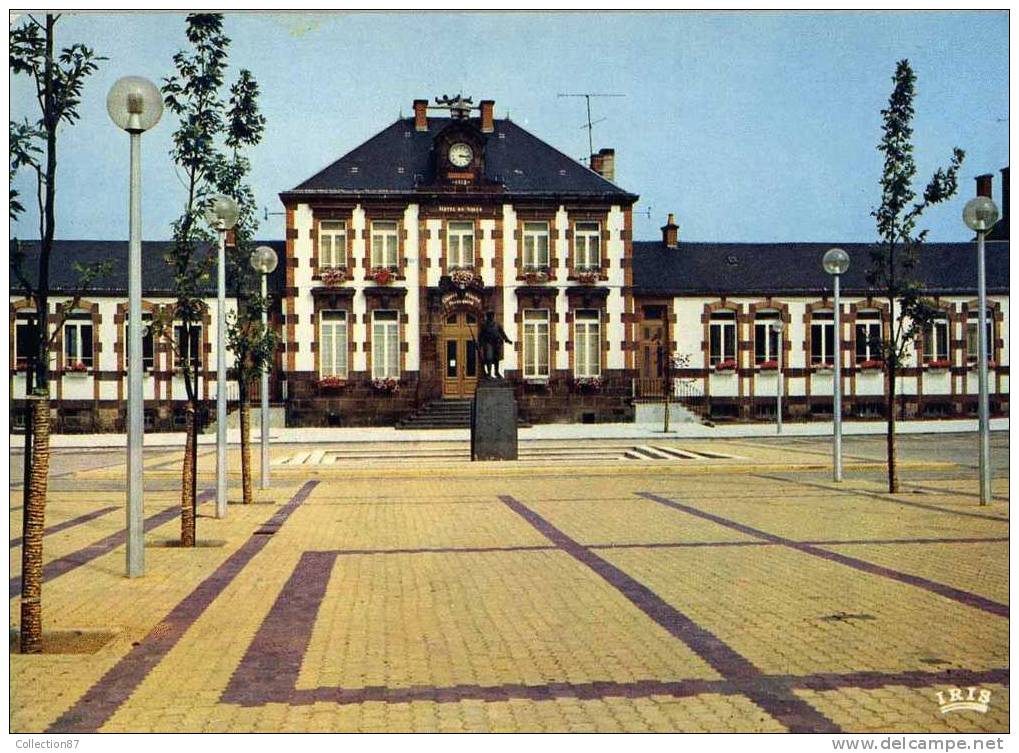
{"x":824,"y":366}
{"x":332,"y":383}
{"x":871,"y":363}
{"x":79,"y":367}
{"x":333,"y":276}
{"x":381,"y":275}
{"x":588,"y":276}
{"x":536,"y":276}
{"x":464,"y":278}
{"x":728,"y":365}
{"x":768,"y":365}
{"x":386,"y":385}
{"x":939,"y":363}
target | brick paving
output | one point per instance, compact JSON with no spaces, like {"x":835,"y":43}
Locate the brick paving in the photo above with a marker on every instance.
{"x":640,"y":601}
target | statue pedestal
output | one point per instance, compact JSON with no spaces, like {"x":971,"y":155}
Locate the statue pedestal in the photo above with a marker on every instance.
{"x":493,"y":421}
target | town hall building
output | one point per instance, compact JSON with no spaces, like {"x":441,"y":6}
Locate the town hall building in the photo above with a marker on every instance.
{"x":394,"y":253}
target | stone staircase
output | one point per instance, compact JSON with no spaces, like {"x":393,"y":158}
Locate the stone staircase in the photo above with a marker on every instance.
{"x":444,"y":414}
{"x":440,"y":414}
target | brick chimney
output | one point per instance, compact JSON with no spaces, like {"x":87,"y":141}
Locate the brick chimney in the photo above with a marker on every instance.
{"x":670,"y":232}
{"x":984,"y":185}
{"x":420,"y":114}
{"x":487,"y":115}
{"x":1004,"y":195}
{"x":604,"y":163}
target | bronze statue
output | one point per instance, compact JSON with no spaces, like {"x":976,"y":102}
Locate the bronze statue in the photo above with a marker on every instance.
{"x":491,"y":336}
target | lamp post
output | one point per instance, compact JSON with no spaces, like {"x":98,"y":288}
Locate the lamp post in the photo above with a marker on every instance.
{"x":222,"y":214}
{"x":835,"y":263}
{"x":264,"y":261}
{"x":777,"y":327}
{"x":980,"y":214}
{"x":135,"y":105}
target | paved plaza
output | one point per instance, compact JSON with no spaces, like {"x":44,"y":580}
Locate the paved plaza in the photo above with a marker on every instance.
{"x":616,"y":585}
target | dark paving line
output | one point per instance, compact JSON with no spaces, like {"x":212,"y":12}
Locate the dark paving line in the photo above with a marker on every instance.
{"x":963,"y":597}
{"x":102,"y":700}
{"x":447,"y":550}
{"x":774,"y":698}
{"x":49,"y":530}
{"x":269,"y":670}
{"x":944,"y":492}
{"x":67,"y":563}
{"x":885,"y":498}
{"x":822,"y":542}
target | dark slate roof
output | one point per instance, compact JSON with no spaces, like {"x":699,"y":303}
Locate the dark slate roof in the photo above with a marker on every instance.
{"x":157,"y":275}
{"x":795,"y":268}
{"x":523,"y":163}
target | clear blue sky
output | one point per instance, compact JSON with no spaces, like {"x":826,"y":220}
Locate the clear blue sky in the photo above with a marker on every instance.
{"x":749,"y":126}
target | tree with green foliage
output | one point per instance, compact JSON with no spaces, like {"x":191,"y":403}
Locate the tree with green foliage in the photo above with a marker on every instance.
{"x":59,"y":79}
{"x":895,"y":257}
{"x":206,"y":122}
{"x":252,"y":345}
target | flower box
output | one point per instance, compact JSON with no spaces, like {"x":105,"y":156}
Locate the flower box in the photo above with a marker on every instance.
{"x":871,"y":364}
{"x":587,"y":384}
{"x":588,"y":276}
{"x":726,"y":367}
{"x":381,"y":275}
{"x":332,"y":383}
{"x":823,"y":366}
{"x":768,"y":365}
{"x":386,"y":385}
{"x":537,"y":276}
{"x":939,"y":364}
{"x":77,"y":369}
{"x":333,"y":276}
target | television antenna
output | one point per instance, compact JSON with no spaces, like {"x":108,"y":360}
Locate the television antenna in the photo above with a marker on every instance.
{"x":590,"y":123}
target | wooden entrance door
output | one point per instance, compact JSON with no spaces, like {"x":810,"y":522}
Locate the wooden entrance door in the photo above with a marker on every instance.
{"x":653,"y":347}
{"x":458,"y":353}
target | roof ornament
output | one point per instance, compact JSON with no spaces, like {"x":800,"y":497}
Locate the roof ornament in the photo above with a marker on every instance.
{"x":459,"y":106}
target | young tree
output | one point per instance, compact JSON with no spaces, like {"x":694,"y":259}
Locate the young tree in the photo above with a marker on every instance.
{"x":194,"y":95}
{"x":894,"y":260}
{"x":252,"y":344}
{"x":58,"y":79}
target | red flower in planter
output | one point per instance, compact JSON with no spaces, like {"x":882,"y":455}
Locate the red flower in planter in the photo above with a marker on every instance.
{"x":939,"y":363}
{"x":768,"y":365}
{"x":728,"y":365}
{"x":332,"y":382}
{"x":333,"y":276}
{"x":382,"y":275}
{"x":588,"y":276}
{"x":77,"y":368}
{"x":872,"y":363}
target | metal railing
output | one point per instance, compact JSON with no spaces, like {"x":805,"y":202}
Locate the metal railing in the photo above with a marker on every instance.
{"x":683,"y":390}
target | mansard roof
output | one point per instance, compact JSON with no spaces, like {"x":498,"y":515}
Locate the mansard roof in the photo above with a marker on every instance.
{"x":732,"y":269}
{"x":398,"y":159}
{"x":157,"y":275}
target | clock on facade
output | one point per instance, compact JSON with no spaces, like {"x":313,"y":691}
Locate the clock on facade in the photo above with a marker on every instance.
{"x":460,"y":154}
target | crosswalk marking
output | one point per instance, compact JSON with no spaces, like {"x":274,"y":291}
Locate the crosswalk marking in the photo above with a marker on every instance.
{"x":528,"y":454}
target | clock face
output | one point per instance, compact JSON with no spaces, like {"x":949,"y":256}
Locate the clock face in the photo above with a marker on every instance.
{"x":460,"y":154}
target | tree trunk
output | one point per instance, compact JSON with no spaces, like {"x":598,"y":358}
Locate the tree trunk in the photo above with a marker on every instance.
{"x":35,"y":515}
{"x":245,"y":444}
{"x":893,"y":476}
{"x":187,"y":492}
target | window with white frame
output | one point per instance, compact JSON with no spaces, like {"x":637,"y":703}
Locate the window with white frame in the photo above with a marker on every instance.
{"x":24,"y":342}
{"x":78,"y":341}
{"x":722,"y":337}
{"x":535,"y":245}
{"x":460,"y":244}
{"x":188,"y":349}
{"x":587,"y":246}
{"x":332,"y":244}
{"x":868,"y":336}
{"x":385,"y":345}
{"x":385,"y":244}
{"x":148,"y":351}
{"x":536,"y":343}
{"x":587,"y":343}
{"x":822,"y":338}
{"x":972,"y":335}
{"x":766,"y":340}
{"x":332,"y":344}
{"x":935,"y":340}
